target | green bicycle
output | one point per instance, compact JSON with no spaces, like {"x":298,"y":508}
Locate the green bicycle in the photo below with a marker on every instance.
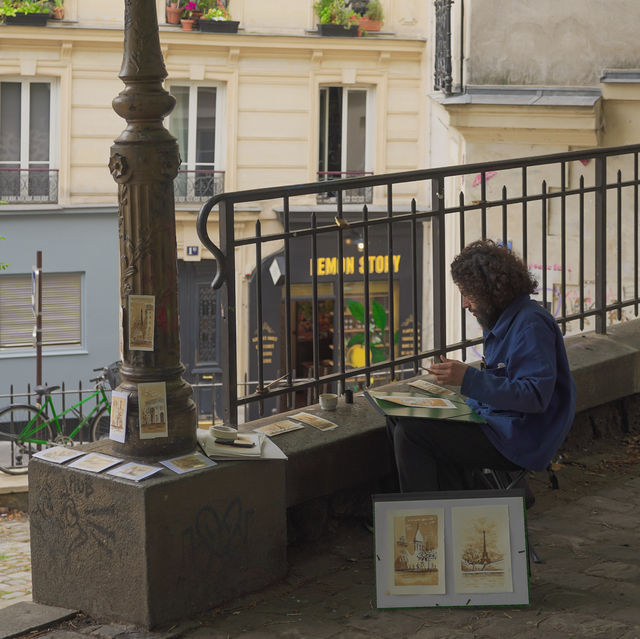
{"x":27,"y":425}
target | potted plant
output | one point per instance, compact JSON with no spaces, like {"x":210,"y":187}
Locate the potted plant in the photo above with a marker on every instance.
{"x":336,"y":18}
{"x":218,"y":20}
{"x":373,"y":17}
{"x":25,"y":12}
{"x":174,"y":12}
{"x":188,"y":18}
{"x":57,"y":9}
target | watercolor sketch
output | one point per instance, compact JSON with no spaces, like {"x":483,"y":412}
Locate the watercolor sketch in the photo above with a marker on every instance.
{"x":141,"y":322}
{"x":187,"y":463}
{"x":418,"y":564}
{"x":482,"y":549}
{"x":58,"y":454}
{"x":95,"y":462}
{"x":416,"y":402}
{"x":152,"y":406}
{"x":134,"y":471}
{"x":118,"y":422}
{"x":277,"y":428}
{"x":315,"y":421}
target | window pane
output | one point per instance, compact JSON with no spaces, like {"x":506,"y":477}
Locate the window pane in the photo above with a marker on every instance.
{"x":334,"y":130}
{"x":356,"y":130}
{"x":207,"y":304}
{"x":10,"y":122}
{"x":179,"y":121}
{"x":206,"y":127}
{"x":322,"y":145}
{"x":39,"y":123}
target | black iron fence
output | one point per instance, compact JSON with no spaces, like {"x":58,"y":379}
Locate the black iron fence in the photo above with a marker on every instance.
{"x":363,"y":195}
{"x":198,"y":185}
{"x":35,"y":185}
{"x":382,"y":288}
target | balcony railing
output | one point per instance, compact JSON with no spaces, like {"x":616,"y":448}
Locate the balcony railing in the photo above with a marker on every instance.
{"x":442,"y":59}
{"x":38,"y":186}
{"x":352,"y":196}
{"x":198,"y":185}
{"x":572,"y":217}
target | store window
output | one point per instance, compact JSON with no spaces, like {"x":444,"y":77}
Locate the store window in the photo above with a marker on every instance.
{"x":61,"y":310}
{"x":345,"y":143}
{"x":27,"y":173}
{"x":195,"y":122}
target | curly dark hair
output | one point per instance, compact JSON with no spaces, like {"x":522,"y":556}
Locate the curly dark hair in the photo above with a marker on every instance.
{"x":492,"y":276}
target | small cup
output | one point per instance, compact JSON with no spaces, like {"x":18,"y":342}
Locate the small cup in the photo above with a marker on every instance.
{"x":328,"y":401}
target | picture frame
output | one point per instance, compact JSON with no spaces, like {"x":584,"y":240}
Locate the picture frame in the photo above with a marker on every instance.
{"x":449,"y":549}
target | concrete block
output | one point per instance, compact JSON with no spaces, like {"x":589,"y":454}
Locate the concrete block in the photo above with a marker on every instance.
{"x":160,"y":550}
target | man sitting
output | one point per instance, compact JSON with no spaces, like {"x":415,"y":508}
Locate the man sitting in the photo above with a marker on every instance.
{"x":524,"y":389}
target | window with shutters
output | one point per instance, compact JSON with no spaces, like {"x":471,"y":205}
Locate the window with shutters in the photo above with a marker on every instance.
{"x":61,"y":310}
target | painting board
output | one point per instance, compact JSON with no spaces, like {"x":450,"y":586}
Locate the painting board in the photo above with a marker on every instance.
{"x":501,"y":580}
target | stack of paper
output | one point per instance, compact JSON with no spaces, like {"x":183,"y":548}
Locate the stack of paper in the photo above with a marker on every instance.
{"x":215,"y":450}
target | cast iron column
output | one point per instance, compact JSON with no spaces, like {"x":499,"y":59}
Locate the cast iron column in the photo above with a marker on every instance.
{"x":144,"y":162}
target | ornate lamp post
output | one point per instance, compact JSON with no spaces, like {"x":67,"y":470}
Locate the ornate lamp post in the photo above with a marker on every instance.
{"x":161,"y":417}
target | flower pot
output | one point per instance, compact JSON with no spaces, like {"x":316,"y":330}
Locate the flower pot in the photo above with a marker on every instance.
{"x":337,"y":30}
{"x":187,"y":24}
{"x":366,"y":24}
{"x":57,"y":13}
{"x":173,"y":14}
{"x":219,"y":26}
{"x":29,"y":19}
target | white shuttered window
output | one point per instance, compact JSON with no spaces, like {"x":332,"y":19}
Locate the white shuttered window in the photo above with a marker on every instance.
{"x":61,"y":310}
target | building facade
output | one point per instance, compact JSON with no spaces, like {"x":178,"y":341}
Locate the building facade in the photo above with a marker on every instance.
{"x":273,"y":104}
{"x":516,"y":79}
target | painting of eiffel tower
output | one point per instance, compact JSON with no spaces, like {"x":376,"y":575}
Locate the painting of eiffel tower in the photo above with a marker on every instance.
{"x":482,"y":549}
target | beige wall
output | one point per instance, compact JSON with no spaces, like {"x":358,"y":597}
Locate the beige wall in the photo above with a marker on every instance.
{"x":548,"y":42}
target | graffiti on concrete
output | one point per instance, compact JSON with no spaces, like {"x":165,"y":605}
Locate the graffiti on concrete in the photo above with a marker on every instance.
{"x":215,"y":536}
{"x":67,"y":515}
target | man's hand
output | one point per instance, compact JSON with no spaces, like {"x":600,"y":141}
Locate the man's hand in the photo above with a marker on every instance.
{"x":449,"y":371}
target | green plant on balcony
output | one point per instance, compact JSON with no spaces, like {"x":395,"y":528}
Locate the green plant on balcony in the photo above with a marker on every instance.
{"x":219,"y":12}
{"x":17,"y":10}
{"x":335,"y":12}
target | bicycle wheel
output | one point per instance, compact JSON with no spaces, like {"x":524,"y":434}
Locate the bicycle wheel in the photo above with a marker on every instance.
{"x":100,"y":425}
{"x":18,"y":423}
{"x":15,"y":428}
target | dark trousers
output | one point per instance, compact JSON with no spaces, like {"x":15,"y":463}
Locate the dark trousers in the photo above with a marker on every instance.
{"x":433,"y":455}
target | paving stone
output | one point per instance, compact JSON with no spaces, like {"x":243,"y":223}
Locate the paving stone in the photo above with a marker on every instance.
{"x":24,"y":617}
{"x":598,"y":502}
{"x":583,"y":625}
{"x":614,"y":570}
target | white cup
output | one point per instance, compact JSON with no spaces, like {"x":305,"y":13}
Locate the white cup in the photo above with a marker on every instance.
{"x":328,"y":401}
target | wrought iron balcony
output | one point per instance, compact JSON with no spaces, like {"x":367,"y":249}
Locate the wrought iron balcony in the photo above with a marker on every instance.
{"x":29,"y":185}
{"x":442,"y":72}
{"x":363,"y":195}
{"x":198,"y":185}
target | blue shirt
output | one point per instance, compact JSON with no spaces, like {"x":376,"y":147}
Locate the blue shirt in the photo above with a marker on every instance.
{"x":526,"y":392}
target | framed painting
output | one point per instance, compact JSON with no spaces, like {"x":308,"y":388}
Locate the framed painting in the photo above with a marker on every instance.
{"x":463,"y":548}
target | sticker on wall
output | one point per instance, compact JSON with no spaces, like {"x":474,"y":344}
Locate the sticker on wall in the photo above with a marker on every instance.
{"x":142,"y":310}
{"x":152,"y":404}
{"x":118,"y":422}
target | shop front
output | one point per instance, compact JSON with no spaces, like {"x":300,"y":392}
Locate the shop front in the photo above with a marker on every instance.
{"x":390,"y":292}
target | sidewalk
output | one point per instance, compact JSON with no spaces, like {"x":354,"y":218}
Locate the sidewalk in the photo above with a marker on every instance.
{"x":588,"y":586}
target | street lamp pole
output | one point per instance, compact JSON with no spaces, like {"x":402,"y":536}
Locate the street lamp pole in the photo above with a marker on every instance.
{"x":144,"y":162}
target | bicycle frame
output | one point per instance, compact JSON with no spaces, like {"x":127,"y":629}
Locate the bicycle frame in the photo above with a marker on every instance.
{"x":37,"y":423}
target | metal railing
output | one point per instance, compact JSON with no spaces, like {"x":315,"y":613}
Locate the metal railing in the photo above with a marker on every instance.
{"x":38,"y":186}
{"x":198,"y":185}
{"x":362,"y":195}
{"x":584,"y":202}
